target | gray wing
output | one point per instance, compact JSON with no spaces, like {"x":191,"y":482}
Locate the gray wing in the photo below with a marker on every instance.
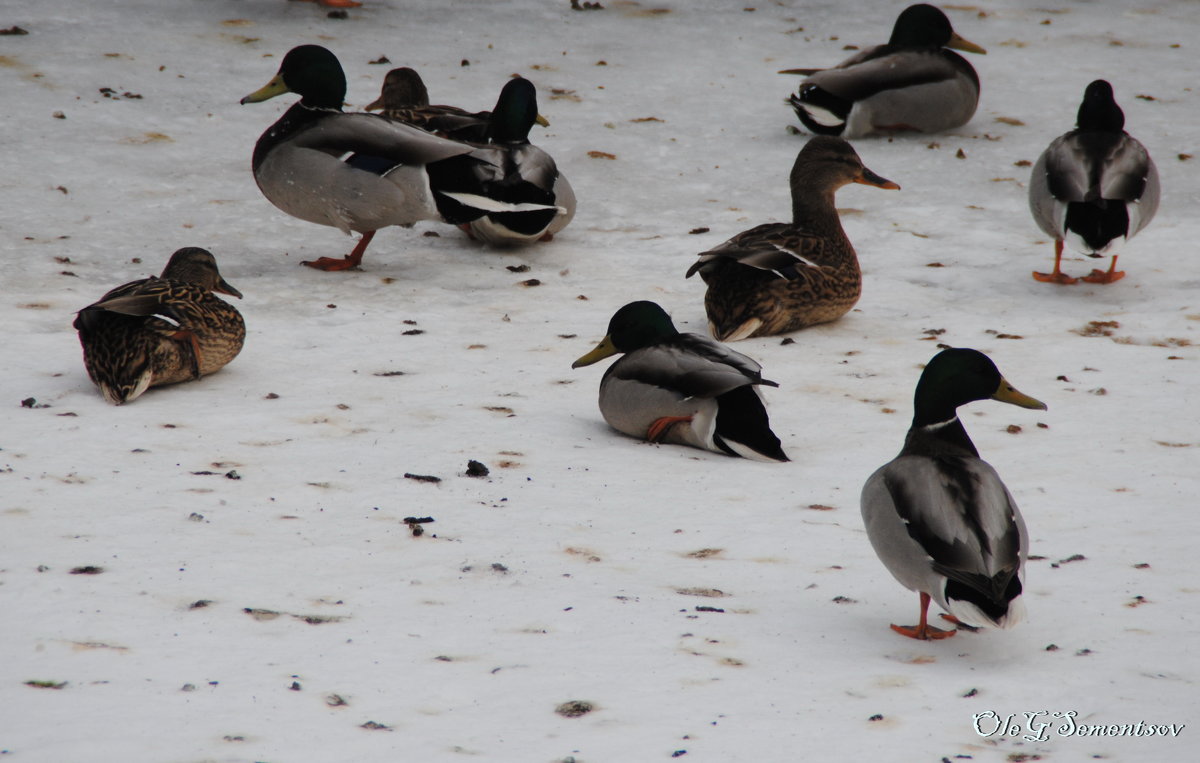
{"x":693,"y":366}
{"x":949,"y":515}
{"x":375,"y":135}
{"x":877,"y":69}
{"x":1092,"y":166}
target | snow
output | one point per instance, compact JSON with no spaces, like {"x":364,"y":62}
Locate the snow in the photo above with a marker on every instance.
{"x":574,"y":570}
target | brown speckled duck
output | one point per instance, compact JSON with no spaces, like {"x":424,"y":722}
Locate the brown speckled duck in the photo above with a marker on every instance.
{"x":780,"y":277}
{"x":162,"y":329}
{"x":405,"y":99}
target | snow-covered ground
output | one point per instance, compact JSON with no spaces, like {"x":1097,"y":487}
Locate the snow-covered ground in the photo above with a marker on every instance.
{"x":256,"y":595}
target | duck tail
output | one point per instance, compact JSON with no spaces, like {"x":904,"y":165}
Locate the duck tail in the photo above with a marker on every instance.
{"x":1097,"y":223}
{"x":743,"y":429}
{"x":983,"y":601}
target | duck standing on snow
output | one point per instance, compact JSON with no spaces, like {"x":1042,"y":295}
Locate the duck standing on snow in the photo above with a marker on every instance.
{"x":938,"y":515}
{"x":681,"y":388}
{"x":355,"y":172}
{"x":912,"y":83}
{"x":404,"y":98}
{"x":1093,"y":186}
{"x":161,"y":330}
{"x":512,"y":192}
{"x":781,"y":277}
{"x":363,"y":172}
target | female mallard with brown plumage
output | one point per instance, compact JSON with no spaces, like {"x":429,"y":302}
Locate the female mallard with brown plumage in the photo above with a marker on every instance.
{"x":780,"y":277}
{"x":405,"y":98}
{"x":162,"y":329}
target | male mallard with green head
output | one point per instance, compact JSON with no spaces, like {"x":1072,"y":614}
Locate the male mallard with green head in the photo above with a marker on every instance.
{"x":939,"y":517}
{"x":681,"y":388}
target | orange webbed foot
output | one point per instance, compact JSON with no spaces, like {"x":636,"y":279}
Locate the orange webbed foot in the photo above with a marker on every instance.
{"x":352,"y":260}
{"x":1057,"y":276}
{"x":332,"y":264}
{"x":923,"y":632}
{"x":1104,"y":276}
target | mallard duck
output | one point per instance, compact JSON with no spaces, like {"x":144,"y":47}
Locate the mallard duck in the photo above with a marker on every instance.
{"x":355,"y":172}
{"x":912,"y":83}
{"x":360,"y":172}
{"x":161,"y":330}
{"x":513,"y":193}
{"x":780,"y":277}
{"x":938,"y":515}
{"x":404,"y":98}
{"x":681,"y":388}
{"x":1093,"y":186}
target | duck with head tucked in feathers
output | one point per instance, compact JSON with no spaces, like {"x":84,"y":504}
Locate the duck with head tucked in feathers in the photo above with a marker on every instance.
{"x":913,"y":83}
{"x":358,"y":172}
{"x":681,"y":388}
{"x":162,"y":329}
{"x":1094,"y":186}
{"x":780,"y":277}
{"x":939,"y":517}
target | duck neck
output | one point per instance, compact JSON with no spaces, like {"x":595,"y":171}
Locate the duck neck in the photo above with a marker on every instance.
{"x":948,"y":436}
{"x":812,"y":205}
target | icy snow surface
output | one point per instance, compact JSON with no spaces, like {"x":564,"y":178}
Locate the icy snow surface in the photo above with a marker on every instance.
{"x":259,"y":597}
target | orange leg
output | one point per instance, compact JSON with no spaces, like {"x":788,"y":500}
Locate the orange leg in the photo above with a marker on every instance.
{"x":547,"y":237}
{"x":466,"y":228}
{"x":1100,"y":276}
{"x":660,"y":426}
{"x":352,"y":260}
{"x":1057,"y":276}
{"x":923,"y":631}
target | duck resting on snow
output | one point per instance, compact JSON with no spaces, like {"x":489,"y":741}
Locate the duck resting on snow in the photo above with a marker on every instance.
{"x":362,"y":172}
{"x":938,"y":515}
{"x":780,"y":277}
{"x":681,"y":388}
{"x":162,"y":329}
{"x":1094,"y":186}
{"x":913,"y":83}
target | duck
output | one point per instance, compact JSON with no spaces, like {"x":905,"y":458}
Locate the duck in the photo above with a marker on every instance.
{"x":513,"y":194}
{"x":939,"y":517}
{"x":405,"y":98}
{"x":681,"y":388}
{"x":1094,"y":186}
{"x":913,"y":83}
{"x":356,"y":172}
{"x":162,"y":329}
{"x":780,"y":277}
